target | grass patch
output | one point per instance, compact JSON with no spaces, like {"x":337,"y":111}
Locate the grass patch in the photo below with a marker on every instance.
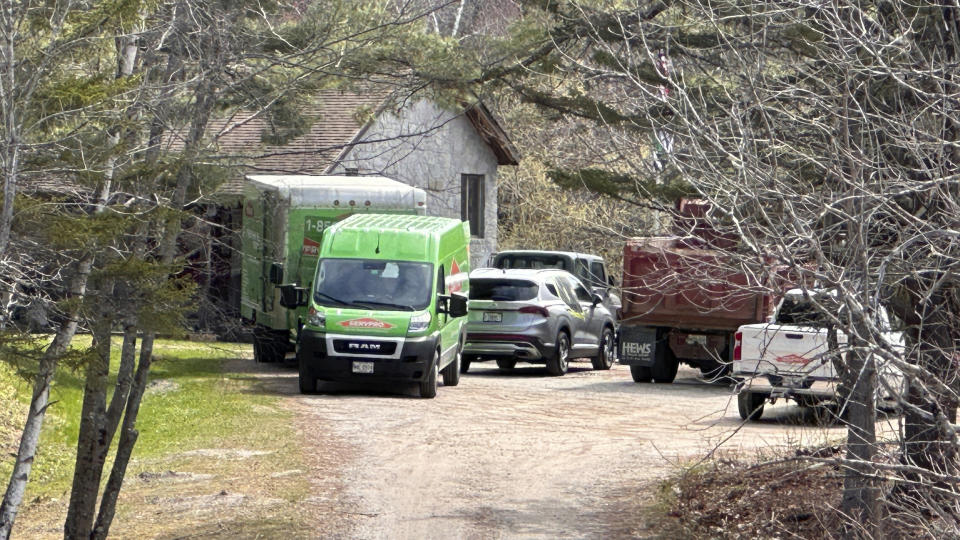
{"x":207,"y":433}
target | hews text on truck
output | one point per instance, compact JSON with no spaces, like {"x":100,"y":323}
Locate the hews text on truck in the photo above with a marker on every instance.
{"x":284,"y":219}
{"x":386,"y":304}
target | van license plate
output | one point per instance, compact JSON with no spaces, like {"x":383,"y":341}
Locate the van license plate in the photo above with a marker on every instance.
{"x":492,"y":316}
{"x":362,"y":367}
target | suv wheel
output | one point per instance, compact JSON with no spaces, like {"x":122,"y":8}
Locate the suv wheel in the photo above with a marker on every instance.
{"x":604,"y":358}
{"x":561,"y":356}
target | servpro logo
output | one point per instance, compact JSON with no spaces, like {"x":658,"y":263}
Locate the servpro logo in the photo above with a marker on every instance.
{"x":365,"y":322}
{"x":454,"y":281}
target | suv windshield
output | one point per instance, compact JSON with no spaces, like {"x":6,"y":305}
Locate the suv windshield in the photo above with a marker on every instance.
{"x":535,"y":262}
{"x":373,"y":284}
{"x":503,"y":290}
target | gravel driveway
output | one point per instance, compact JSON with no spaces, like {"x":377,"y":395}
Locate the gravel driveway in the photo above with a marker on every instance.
{"x":519,"y":454}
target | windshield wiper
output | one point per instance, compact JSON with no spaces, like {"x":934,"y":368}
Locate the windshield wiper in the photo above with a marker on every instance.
{"x":366,"y":303}
{"x":319,"y":294}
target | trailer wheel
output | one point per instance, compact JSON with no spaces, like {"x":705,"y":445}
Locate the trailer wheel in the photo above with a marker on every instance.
{"x":506,"y":365}
{"x":557,"y":365}
{"x":750,"y":405}
{"x":640,"y":374}
{"x":428,"y":386}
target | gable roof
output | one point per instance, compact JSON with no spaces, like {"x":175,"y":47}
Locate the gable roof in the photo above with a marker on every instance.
{"x":335,"y":128}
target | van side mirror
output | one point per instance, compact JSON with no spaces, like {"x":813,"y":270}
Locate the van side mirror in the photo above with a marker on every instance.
{"x":597,"y":299}
{"x":612,"y":281}
{"x":292,"y":296}
{"x":454,"y":305}
{"x":276,"y":273}
{"x":458,"y":305}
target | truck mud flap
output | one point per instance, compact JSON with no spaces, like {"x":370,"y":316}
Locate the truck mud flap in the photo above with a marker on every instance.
{"x":638,"y":346}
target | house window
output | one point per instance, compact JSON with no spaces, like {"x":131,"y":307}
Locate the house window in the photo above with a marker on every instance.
{"x":472,"y":202}
{"x":351,"y":171}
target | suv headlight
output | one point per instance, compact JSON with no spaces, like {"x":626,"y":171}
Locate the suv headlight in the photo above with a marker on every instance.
{"x":317,"y":318}
{"x":419,"y":322}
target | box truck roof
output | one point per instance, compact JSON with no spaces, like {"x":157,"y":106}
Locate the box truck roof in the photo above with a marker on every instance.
{"x":341,"y":191}
{"x":401,"y":237}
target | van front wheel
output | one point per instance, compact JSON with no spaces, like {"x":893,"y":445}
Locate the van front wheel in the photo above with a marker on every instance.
{"x":451,"y":373}
{"x":308,"y":383}
{"x":428,"y":386}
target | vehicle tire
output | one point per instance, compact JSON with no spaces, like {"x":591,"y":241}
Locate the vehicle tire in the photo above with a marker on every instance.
{"x":750,"y":405}
{"x":640,"y":374}
{"x":464,"y":364}
{"x":451,"y":373}
{"x":308,"y":382}
{"x":428,"y":386}
{"x":506,"y":365}
{"x":665,"y":365}
{"x":558,"y":364}
{"x":605,"y":351}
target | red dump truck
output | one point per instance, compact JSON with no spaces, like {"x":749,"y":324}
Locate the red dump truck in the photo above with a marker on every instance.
{"x":681,"y":303}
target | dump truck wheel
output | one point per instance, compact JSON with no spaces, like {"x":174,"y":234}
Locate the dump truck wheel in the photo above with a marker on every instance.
{"x":640,"y":374}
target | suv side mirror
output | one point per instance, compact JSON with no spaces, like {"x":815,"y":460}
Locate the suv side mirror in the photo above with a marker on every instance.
{"x":597,"y":299}
{"x":612,"y":281}
{"x":292,"y":296}
{"x":276,"y":273}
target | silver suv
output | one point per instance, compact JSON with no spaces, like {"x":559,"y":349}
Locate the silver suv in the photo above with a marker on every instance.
{"x":589,"y":269}
{"x":537,"y":316}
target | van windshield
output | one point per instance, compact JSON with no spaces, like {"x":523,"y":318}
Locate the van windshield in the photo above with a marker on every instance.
{"x":373,"y":284}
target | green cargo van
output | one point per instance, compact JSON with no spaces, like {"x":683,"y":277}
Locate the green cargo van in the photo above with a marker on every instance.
{"x":387,"y":302}
{"x":284,"y":219}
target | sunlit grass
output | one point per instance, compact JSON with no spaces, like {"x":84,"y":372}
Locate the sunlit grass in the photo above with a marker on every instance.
{"x":190,"y":403}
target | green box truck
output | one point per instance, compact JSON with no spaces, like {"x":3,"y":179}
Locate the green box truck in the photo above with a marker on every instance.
{"x":284,"y":219}
{"x":387,"y":302}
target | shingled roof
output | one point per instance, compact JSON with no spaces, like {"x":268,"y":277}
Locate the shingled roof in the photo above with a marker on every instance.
{"x":334,"y":126}
{"x":334,"y":129}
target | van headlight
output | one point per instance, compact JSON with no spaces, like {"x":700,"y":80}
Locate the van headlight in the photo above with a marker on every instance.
{"x":419,"y":322}
{"x":317,"y":318}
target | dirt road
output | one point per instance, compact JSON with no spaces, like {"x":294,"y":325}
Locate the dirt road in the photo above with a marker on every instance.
{"x":519,"y":454}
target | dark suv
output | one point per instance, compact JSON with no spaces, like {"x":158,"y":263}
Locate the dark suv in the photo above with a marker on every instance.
{"x":590,"y":269}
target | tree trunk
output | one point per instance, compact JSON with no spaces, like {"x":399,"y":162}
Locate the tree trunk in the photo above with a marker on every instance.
{"x":94,"y":440}
{"x":861,"y":495}
{"x":928,"y":438}
{"x":40,"y":401}
{"x":128,"y":438}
